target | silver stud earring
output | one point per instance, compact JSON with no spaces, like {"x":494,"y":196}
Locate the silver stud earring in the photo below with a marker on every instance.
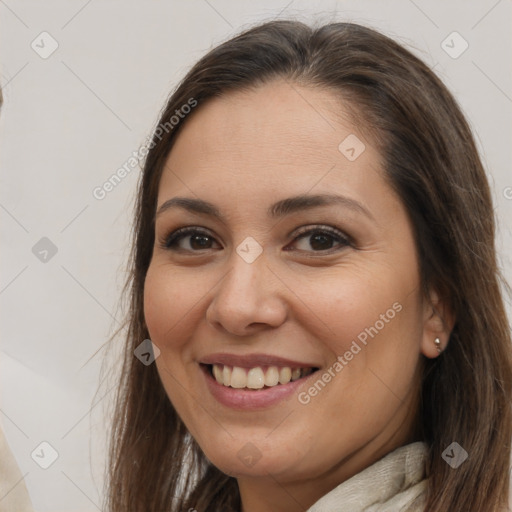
{"x":437,"y":341}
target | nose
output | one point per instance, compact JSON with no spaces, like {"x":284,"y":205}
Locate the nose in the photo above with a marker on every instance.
{"x":249,"y":298}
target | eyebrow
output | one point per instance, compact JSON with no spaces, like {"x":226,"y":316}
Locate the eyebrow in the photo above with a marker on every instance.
{"x":277,"y":210}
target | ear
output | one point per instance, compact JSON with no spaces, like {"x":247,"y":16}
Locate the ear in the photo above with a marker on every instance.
{"x":438,"y":322}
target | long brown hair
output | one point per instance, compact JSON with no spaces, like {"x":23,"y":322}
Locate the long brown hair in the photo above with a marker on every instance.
{"x":432,"y":162}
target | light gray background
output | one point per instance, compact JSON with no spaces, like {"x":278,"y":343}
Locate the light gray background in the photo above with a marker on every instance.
{"x":70,"y":120}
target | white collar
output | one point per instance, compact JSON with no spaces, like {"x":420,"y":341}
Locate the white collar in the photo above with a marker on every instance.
{"x":394,"y":483}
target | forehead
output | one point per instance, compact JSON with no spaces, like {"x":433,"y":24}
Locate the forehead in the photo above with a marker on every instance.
{"x":273,"y":136}
{"x":278,"y":115}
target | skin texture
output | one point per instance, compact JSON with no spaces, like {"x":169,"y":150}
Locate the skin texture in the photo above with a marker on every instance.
{"x":243,"y":152}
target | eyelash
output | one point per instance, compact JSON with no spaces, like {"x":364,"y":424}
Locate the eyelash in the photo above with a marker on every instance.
{"x":169,"y":242}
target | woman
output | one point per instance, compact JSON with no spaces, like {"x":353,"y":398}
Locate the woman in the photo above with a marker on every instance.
{"x":314,"y":264}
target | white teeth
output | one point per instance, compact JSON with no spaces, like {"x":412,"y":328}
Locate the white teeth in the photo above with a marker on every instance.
{"x":256,"y":378}
{"x":272,"y":376}
{"x":238,"y":378}
{"x":226,"y":375}
{"x":285,"y":375}
{"x":217,"y":373}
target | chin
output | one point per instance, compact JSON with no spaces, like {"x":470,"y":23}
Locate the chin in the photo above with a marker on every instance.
{"x":237,"y":468}
{"x":249,"y":461}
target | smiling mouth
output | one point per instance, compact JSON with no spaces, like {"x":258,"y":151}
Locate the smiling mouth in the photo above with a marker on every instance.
{"x":257,"y":378}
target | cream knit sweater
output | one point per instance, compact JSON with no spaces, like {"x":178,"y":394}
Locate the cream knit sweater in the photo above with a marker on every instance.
{"x":395,"y":483}
{"x":13,"y":492}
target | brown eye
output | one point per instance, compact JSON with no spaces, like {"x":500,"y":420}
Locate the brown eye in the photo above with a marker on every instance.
{"x":188,"y":239}
{"x":313,"y":240}
{"x":321,"y":239}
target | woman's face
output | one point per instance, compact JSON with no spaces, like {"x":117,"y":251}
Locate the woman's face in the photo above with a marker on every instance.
{"x":273,"y":285}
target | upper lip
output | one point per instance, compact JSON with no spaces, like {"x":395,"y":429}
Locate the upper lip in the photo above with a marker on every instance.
{"x":253,"y":360}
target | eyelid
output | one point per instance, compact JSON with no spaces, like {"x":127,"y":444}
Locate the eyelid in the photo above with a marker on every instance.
{"x":336,"y":233}
{"x":321,"y":228}
{"x":183,"y":232}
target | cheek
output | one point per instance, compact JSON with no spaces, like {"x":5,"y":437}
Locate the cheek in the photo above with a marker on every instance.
{"x":168,"y":305}
{"x":353,"y":305}
{"x":169,"y":312}
{"x":159,"y":310}
{"x":374,"y":325}
{"x":373,"y":320}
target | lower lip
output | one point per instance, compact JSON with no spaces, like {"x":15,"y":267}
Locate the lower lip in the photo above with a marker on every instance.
{"x":251,"y":399}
